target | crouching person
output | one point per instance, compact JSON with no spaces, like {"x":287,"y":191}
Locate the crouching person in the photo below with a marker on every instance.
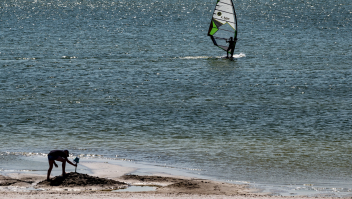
{"x":61,"y":156}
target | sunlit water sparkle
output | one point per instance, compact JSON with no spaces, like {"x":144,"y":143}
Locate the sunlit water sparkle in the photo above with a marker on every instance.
{"x":141,"y":81}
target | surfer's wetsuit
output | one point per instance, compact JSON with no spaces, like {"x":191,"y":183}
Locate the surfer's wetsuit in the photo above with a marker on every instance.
{"x":231,"y":46}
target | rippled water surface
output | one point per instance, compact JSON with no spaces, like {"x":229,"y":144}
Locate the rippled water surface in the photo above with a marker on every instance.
{"x":140,"y":80}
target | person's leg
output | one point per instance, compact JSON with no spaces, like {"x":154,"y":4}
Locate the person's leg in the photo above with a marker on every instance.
{"x":51,"y":162}
{"x":227,"y":52}
{"x":63,"y":160}
{"x":63,"y":168}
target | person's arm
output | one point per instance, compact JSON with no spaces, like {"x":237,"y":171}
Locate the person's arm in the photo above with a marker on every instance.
{"x":71,"y":162}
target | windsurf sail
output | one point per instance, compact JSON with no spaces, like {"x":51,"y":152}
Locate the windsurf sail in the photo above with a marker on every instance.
{"x":223,"y":24}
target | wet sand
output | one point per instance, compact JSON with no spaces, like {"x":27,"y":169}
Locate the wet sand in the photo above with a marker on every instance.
{"x":107,"y":178}
{"x":101,"y":195}
{"x":74,"y":183}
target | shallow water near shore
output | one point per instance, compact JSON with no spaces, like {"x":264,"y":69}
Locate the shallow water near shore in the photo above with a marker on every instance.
{"x":141,"y":82}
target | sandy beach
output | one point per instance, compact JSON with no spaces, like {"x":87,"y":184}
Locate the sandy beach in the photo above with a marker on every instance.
{"x":134,"y":195}
{"x":114,"y":181}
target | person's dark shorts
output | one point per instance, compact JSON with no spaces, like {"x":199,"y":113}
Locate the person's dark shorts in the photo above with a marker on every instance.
{"x":52,"y":157}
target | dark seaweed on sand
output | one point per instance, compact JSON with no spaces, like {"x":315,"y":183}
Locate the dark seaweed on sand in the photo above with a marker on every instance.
{"x":79,"y":179}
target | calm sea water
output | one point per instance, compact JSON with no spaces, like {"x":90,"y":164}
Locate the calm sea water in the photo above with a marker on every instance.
{"x":140,"y":80}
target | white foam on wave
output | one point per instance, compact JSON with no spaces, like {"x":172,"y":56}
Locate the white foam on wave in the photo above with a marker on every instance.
{"x":195,"y":57}
{"x":236,"y":56}
{"x":68,"y":57}
{"x":239,"y":55}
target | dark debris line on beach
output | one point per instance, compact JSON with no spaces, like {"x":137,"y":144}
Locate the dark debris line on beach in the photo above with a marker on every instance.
{"x":78,"y":179}
{"x":7,"y":181}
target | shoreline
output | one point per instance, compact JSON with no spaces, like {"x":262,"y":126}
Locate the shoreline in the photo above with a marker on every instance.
{"x":138,"y":175}
{"x":165,"y":188}
{"x":19,"y":185}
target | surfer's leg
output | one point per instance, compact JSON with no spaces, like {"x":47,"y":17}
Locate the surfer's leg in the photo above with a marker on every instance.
{"x":232,"y":52}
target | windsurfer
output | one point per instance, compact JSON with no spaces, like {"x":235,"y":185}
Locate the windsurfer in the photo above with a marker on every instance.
{"x":231,"y":47}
